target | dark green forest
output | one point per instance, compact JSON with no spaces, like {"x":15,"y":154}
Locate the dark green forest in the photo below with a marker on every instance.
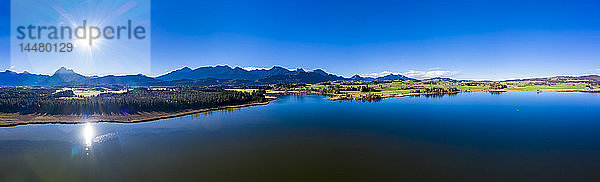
{"x":53,"y":102}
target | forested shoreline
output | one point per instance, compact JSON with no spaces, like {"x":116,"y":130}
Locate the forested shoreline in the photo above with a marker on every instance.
{"x":65,"y":102}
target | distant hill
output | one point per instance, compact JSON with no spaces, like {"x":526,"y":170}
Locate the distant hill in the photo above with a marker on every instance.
{"x":130,"y":80}
{"x":563,"y":78}
{"x":9,"y":78}
{"x":588,"y":77}
{"x":315,"y":76}
{"x":205,"y":82}
{"x":64,"y":76}
{"x":359,"y":78}
{"x":225,"y":72}
{"x":440,"y":79}
{"x":393,"y":77}
{"x":390,"y":77}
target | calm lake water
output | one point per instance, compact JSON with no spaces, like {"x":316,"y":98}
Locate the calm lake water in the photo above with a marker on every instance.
{"x":477,"y":136}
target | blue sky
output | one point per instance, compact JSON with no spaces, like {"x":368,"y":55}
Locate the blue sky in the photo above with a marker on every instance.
{"x":4,"y":34}
{"x":459,"y":39}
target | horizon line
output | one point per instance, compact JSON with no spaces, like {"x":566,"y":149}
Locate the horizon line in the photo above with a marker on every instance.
{"x":252,"y":68}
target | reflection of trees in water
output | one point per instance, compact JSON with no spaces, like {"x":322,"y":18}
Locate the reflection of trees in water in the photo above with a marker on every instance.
{"x":211,"y":112}
{"x":361,"y":99}
{"x":496,"y":92}
{"x":379,"y":98}
{"x":374,"y":99}
{"x":434,"y":95}
{"x":225,"y":110}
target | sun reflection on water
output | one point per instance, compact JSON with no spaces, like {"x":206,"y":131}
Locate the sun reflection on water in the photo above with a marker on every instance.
{"x":88,"y":135}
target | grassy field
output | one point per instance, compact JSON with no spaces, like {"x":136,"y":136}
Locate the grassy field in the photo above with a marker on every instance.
{"x":80,"y":92}
{"x":399,"y":88}
{"x":530,"y":87}
{"x":243,"y":90}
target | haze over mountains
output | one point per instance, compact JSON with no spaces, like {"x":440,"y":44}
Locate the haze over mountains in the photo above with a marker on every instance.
{"x":205,"y":76}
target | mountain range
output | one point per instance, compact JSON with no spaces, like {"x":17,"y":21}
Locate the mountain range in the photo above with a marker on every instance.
{"x":212,"y":76}
{"x":203,"y":76}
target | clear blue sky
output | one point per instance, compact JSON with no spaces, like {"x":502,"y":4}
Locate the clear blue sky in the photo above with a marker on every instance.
{"x":460,"y":39}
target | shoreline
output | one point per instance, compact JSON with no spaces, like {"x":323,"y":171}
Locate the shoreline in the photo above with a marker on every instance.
{"x":15,"y":119}
{"x":384,"y":96}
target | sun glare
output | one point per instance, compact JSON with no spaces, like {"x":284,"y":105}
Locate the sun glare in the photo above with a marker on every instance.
{"x":88,"y":134}
{"x":84,"y":45}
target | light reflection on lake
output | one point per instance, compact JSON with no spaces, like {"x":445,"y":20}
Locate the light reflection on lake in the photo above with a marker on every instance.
{"x":88,"y":134}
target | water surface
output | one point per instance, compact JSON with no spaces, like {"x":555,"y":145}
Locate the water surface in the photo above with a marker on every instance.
{"x":477,"y":136}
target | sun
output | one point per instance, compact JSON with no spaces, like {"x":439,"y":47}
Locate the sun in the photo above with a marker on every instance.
{"x":86,"y":48}
{"x":86,"y":44}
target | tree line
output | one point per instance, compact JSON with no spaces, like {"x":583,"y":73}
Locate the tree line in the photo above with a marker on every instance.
{"x":50,"y":101}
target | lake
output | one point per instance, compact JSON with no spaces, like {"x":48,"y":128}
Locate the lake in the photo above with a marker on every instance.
{"x":476,"y":136}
